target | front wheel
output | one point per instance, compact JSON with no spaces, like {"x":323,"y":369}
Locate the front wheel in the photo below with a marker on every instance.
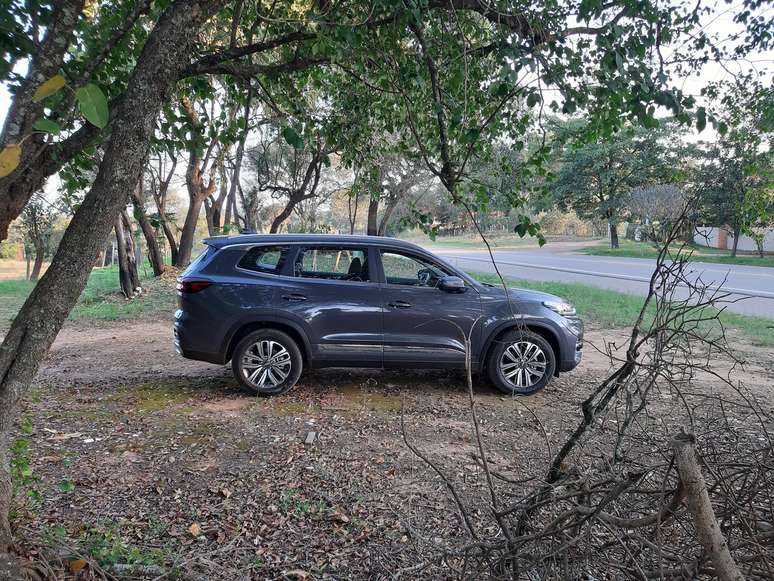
{"x":267,"y":362}
{"x":521,"y":363}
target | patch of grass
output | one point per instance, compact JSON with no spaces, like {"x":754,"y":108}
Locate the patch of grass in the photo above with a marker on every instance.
{"x":146,"y":398}
{"x":609,"y":308}
{"x":101,"y":299}
{"x":105,"y":543}
{"x":631,"y":249}
{"x":13,"y":293}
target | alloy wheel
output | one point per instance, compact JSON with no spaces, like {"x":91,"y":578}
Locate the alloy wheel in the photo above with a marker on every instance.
{"x":523,"y":364}
{"x":266,"y":364}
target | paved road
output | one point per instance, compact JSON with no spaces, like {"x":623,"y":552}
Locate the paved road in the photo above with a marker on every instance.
{"x":622,"y":274}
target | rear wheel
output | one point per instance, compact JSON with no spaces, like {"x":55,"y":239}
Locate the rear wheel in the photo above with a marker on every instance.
{"x":267,"y":362}
{"x":521,"y":363}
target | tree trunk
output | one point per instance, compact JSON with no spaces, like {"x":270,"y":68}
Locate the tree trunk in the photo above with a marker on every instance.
{"x":173,"y":249}
{"x":737,"y":234}
{"x":613,"y":235}
{"x":188,"y":233}
{"x":17,"y":188}
{"x":282,"y":216}
{"x":124,"y":274}
{"x":160,"y":197}
{"x":231,"y":206}
{"x":163,"y":57}
{"x":214,"y":206}
{"x":373,"y":211}
{"x":700,"y":507}
{"x":108,"y":254}
{"x":39,"y":254}
{"x":154,"y":252}
{"x":352,"y":211}
{"x":388,"y":211}
{"x":127,"y":263}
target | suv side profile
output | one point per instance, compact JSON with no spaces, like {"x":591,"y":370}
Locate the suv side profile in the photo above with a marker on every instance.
{"x":275,"y":304}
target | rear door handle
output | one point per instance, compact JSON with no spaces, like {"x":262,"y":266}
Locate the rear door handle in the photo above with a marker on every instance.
{"x":294,"y":298}
{"x":400,"y":305}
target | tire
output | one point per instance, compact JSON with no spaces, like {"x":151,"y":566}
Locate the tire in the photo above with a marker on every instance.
{"x":522,"y":379}
{"x":253,"y":349}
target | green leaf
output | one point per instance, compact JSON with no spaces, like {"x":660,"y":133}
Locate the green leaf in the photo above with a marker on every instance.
{"x":93,"y":105}
{"x":619,"y":62}
{"x":701,"y":119}
{"x":292,"y":137}
{"x":533,"y":99}
{"x":47,"y":126}
{"x":66,"y":486}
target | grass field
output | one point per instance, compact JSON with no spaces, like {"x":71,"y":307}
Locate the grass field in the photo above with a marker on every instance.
{"x":609,"y":308}
{"x":100,"y":300}
{"x":629,"y":248}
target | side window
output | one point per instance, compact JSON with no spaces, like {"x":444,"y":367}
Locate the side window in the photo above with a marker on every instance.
{"x":333,"y":263}
{"x":266,"y":259}
{"x":410,"y":271}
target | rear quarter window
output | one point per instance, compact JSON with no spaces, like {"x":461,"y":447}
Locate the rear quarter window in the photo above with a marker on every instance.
{"x":265,"y":259}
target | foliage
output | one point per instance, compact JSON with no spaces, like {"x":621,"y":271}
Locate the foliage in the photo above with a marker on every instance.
{"x":733,"y":183}
{"x":596,"y":179}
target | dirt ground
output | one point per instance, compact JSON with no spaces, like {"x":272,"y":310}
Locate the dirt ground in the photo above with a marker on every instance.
{"x":145,"y":458}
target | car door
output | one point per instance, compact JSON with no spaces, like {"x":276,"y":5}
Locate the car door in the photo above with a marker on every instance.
{"x":332,"y":292}
{"x":423,"y":325}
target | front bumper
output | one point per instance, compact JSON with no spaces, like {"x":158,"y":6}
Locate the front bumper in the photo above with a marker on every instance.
{"x":573,"y":351}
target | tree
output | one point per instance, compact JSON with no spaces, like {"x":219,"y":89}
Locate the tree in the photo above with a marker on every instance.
{"x":154,"y":252}
{"x":128,"y":276}
{"x":288,"y":168}
{"x":101,"y":50}
{"x":724,"y":182}
{"x":165,"y":54}
{"x":393,"y":180}
{"x":37,"y":223}
{"x":26,"y":109}
{"x":657,"y":205}
{"x":204,"y":159}
{"x":595,"y":179}
{"x":758,"y":215}
{"x":161,"y":173}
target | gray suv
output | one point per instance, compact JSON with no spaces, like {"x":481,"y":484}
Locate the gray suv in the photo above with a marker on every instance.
{"x":273,"y":304}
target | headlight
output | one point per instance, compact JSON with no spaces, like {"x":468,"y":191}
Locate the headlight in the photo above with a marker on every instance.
{"x":561,"y":307}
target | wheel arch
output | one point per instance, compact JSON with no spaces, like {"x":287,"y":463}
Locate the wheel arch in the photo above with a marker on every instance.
{"x":542,"y":329}
{"x":290,"y":329}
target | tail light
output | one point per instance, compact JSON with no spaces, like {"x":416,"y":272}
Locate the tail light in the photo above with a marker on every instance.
{"x":192,"y":286}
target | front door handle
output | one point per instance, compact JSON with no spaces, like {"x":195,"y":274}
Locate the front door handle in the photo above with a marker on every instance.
{"x":294,"y":298}
{"x":400,"y":305}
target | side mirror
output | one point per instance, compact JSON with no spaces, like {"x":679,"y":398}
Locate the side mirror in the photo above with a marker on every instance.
{"x":452,"y":284}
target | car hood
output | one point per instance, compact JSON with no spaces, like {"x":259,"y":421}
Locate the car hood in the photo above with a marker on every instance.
{"x":523,"y":294}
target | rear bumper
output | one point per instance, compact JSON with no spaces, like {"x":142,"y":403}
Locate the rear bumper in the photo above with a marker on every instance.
{"x":183,"y":346}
